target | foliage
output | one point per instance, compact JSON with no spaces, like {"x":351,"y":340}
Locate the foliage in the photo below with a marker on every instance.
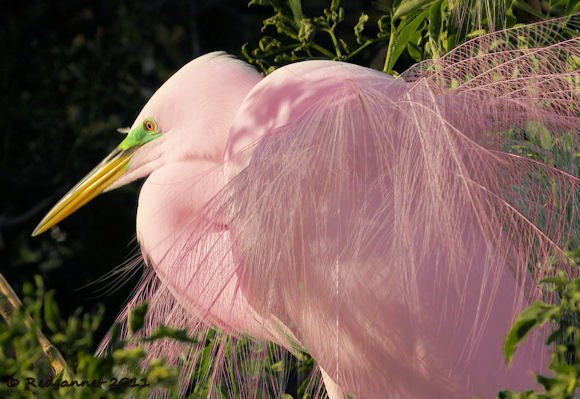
{"x":300,"y":32}
{"x":565,"y":360}
{"x":415,"y":29}
{"x":25,"y":369}
{"x":563,"y":316}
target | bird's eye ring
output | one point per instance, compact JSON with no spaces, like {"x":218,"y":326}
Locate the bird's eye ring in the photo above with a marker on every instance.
{"x":150,"y":125}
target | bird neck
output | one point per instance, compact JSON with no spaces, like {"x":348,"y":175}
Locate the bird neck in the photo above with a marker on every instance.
{"x":172,"y":229}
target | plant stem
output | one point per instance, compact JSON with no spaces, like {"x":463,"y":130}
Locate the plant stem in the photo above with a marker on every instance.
{"x":322,"y":50}
{"x":330,"y":32}
{"x":361,"y":48}
{"x":315,"y":46}
{"x":9,"y":304}
{"x":392,"y":37}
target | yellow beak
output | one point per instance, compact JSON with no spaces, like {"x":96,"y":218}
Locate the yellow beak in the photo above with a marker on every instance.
{"x":93,"y":184}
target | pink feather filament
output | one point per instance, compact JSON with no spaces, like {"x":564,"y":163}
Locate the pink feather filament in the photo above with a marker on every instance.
{"x":378,"y":224}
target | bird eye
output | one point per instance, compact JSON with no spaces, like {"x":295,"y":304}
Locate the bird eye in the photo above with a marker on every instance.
{"x":150,"y":125}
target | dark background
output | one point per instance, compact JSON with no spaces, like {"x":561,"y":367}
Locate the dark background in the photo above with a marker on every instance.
{"x":71,"y":73}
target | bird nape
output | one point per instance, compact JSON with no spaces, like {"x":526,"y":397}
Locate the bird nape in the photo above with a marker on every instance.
{"x":387,"y":227}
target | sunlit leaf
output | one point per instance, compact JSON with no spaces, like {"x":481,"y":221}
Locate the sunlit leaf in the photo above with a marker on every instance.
{"x":406,"y":34}
{"x":296,"y":8}
{"x":410,"y":6}
{"x":534,"y":316}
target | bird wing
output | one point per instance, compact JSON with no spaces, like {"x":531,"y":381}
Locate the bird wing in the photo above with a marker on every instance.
{"x":391,"y":228}
{"x":388,"y":225}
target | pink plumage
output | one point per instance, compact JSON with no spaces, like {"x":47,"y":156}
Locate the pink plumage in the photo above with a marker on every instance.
{"x":378,"y":224}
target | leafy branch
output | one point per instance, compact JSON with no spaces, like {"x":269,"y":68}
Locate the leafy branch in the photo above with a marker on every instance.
{"x":24,"y":356}
{"x":565,"y":360}
{"x":410,"y":29}
{"x":301,"y":38}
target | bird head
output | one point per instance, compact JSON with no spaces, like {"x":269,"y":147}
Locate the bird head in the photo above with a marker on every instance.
{"x":107,"y":174}
{"x":188,"y":117}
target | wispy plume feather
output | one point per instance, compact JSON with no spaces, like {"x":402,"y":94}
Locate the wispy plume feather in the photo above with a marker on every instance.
{"x":385,"y":228}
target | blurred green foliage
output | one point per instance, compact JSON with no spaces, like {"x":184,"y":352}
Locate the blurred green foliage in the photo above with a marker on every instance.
{"x":25,"y":370}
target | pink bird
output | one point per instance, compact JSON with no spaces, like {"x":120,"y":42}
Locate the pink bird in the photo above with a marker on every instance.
{"x":375,"y":223}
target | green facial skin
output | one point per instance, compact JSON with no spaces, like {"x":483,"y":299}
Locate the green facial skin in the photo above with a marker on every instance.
{"x":142,"y":134}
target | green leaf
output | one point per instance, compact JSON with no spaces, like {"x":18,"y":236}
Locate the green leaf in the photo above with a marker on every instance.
{"x":359,"y":28}
{"x":527,"y":8}
{"x":278,"y":367}
{"x":127,"y":355}
{"x":476,"y":33}
{"x":169,"y":332}
{"x":534,"y":316}
{"x":573,"y":255}
{"x":259,"y":3}
{"x":553,"y":280}
{"x":137,"y":317}
{"x":51,"y":312}
{"x":414,"y":52}
{"x":159,"y":372}
{"x":410,"y":6}
{"x":115,"y":333}
{"x":435,"y":20}
{"x":450,"y":41}
{"x":296,"y":8}
{"x":541,"y":133}
{"x":407,"y":32}
{"x":573,"y":63}
{"x":547,"y":382}
{"x":573,"y":8}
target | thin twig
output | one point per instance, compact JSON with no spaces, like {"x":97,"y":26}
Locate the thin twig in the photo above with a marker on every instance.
{"x":392,"y":36}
